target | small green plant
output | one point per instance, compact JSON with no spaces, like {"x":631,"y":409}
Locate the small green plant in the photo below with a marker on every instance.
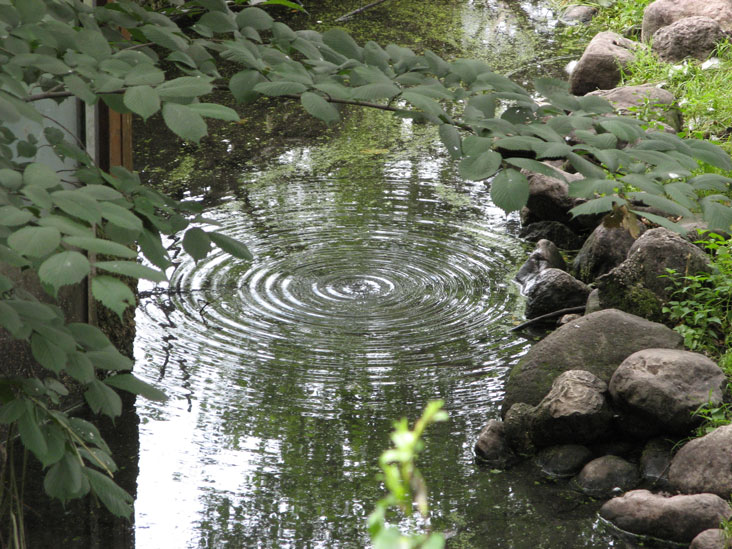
{"x":405,"y":484}
{"x":713,"y":415}
{"x":702,"y":302}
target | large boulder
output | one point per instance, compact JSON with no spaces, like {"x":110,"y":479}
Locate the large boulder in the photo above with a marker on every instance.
{"x":574,"y":411}
{"x":606,"y":476}
{"x":688,"y":37}
{"x":549,"y":198}
{"x":704,"y":464}
{"x":517,"y":428}
{"x":492,"y":448}
{"x":628,"y":100}
{"x":552,"y":290}
{"x":604,"y":249}
{"x":598,"y":343}
{"x":677,"y":518}
{"x":600,"y":64}
{"x":664,"y":12}
{"x":640,"y":284}
{"x":562,"y":461}
{"x":666,"y":386}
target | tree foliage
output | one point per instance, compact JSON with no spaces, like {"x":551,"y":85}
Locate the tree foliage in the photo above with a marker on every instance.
{"x":84,"y":223}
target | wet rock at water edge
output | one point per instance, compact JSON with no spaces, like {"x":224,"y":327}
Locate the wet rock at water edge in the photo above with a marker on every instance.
{"x":549,"y":198}
{"x":574,"y":411}
{"x":655,"y":462}
{"x":600,"y":64}
{"x":664,"y":12}
{"x":704,"y":464}
{"x":713,"y":538}
{"x":517,"y":426}
{"x":607,"y":476}
{"x":666,"y":386}
{"x":628,"y":100}
{"x":554,"y":231}
{"x":604,"y":249}
{"x":578,"y":14}
{"x":553,"y":290}
{"x":677,"y":518}
{"x":688,"y":37}
{"x":640,"y":285}
{"x":545,"y":256}
{"x":597,"y":342}
{"x":562,"y":461}
{"x":492,"y":448}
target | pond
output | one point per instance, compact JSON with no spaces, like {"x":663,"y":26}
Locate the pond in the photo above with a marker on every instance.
{"x":381,"y":281}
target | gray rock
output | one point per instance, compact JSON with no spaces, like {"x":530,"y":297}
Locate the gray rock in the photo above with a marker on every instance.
{"x":597,"y":342}
{"x":517,"y":427}
{"x":553,"y":290}
{"x":713,"y":538}
{"x":554,"y":231}
{"x":639,"y":285}
{"x":664,"y":12}
{"x":628,"y":100}
{"x":578,"y":14}
{"x":604,"y":249}
{"x":492,"y":448}
{"x":677,"y":518}
{"x":549,"y":198}
{"x":562,"y":461}
{"x":599,"y":66}
{"x":688,"y":37}
{"x":593,"y":302}
{"x":574,"y":411}
{"x":655,"y":462}
{"x":566,"y":319}
{"x":704,"y":464}
{"x":607,"y":476}
{"x":545,"y":256}
{"x":666,"y":386}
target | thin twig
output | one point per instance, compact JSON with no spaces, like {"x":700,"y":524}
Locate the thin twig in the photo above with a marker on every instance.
{"x":359,"y":10}
{"x":554,"y":314}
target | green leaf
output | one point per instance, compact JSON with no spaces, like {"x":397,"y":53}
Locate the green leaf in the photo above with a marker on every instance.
{"x":48,"y":354}
{"x":65,"y":225}
{"x":78,"y":204}
{"x":10,"y":216}
{"x":552,"y":150}
{"x":30,"y":432}
{"x":89,"y":336}
{"x":537,"y":167}
{"x":280,"y":87}
{"x":109,"y":359}
{"x":63,"y":480}
{"x":451,"y":139}
{"x":79,"y":367}
{"x":184,"y":86}
{"x":100,"y":246}
{"x":662,"y":203}
{"x":597,"y":205}
{"x":64,"y":268}
{"x":80,"y":89}
{"x":114,"y":498}
{"x":184,"y":122}
{"x":218,"y":22}
{"x":585,"y":167}
{"x":710,"y":153}
{"x":121,"y":217}
{"x":130,"y":268}
{"x":11,"y":411}
{"x":424,"y":103}
{"x":145,"y":74}
{"x":152,"y":248}
{"x":510,"y":190}
{"x":35,"y":241}
{"x":342,"y":43}
{"x":113,"y":294}
{"x":212,"y":110}
{"x":318,"y":107}
{"x":56,"y":443}
{"x":196,"y":243}
{"x":481,"y":166}
{"x":131,"y":384}
{"x":10,"y":179}
{"x":255,"y":18}
{"x":40,"y":175}
{"x":622,"y":128}
{"x":378,"y":90}
{"x":242,"y":85}
{"x":10,"y":320}
{"x":33,"y":310}
{"x":142,"y":100}
{"x":231,"y":246}
{"x":718,"y":216}
{"x":164,"y":37}
{"x":38,"y":196}
{"x":662,"y":221}
{"x":103,"y":399}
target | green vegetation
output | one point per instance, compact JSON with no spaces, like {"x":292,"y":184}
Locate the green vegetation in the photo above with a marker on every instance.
{"x":54,"y":221}
{"x":405,"y":485}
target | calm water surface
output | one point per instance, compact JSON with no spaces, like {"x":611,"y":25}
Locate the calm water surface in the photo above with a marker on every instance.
{"x":380,"y":281}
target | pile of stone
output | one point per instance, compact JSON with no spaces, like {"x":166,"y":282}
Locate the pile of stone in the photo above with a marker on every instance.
{"x":607,"y":397}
